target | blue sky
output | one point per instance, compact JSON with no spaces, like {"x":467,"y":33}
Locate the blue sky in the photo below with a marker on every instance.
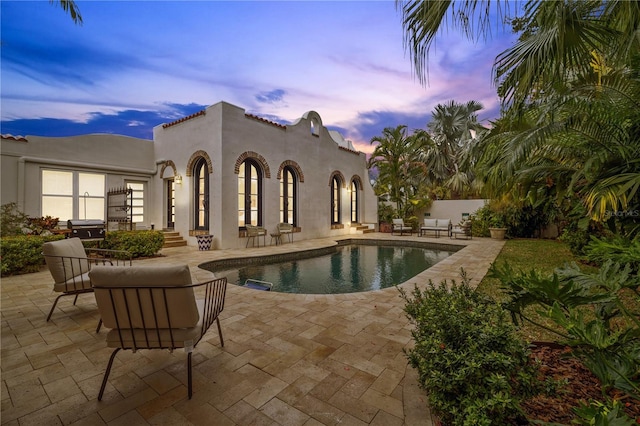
{"x":134,"y":65}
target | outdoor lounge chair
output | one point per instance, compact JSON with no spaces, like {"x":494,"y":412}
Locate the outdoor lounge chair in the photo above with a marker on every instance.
{"x":286,"y":229}
{"x":399,"y":226}
{"x":254,"y":232}
{"x":463,"y":229}
{"x":70,"y":262}
{"x":155,"y":307}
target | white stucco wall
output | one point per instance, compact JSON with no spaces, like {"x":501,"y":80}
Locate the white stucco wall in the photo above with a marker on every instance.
{"x":453,"y":209}
{"x":118,"y":157}
{"x":225,"y":133}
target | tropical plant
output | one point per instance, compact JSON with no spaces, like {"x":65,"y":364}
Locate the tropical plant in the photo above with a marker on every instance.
{"x":582,"y":145}
{"x":607,"y":340}
{"x":400,"y":173}
{"x":624,"y":250}
{"x":571,"y":92}
{"x":450,"y":159}
{"x":557,"y":38}
{"x":71,"y":8}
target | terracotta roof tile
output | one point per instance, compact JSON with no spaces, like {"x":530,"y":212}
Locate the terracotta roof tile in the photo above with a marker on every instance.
{"x":264,"y":120}
{"x":14,"y":138}
{"x":349,"y":150}
{"x":183,"y":119}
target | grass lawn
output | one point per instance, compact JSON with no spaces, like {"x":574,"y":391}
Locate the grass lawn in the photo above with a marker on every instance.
{"x":524,"y":255}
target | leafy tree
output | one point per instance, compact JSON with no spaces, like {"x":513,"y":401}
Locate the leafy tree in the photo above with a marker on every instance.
{"x":400,"y":171}
{"x":570,"y":90}
{"x":450,"y":158}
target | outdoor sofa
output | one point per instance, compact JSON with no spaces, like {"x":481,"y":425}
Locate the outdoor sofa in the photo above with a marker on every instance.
{"x":436,"y":226}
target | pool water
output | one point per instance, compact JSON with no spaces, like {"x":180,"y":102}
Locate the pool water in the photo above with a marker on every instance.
{"x":350,"y":269}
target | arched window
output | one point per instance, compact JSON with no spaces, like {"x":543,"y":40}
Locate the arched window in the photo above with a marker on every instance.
{"x":288,"y":195}
{"x":335,"y":200}
{"x":355,"y":208}
{"x":249,"y":193}
{"x":201,"y":194}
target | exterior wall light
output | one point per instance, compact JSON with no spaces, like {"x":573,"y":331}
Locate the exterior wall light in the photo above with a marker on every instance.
{"x":178,"y":179}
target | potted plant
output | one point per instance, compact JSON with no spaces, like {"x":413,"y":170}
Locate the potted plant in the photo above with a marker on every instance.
{"x":497,"y":225}
{"x":385,"y":215}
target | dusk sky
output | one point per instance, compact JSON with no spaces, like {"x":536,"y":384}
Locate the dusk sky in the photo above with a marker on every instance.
{"x":134,"y":65}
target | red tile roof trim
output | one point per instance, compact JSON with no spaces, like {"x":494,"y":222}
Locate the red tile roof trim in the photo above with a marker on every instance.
{"x":15,"y":138}
{"x":264,"y":120}
{"x":183,"y":119}
{"x":349,"y":150}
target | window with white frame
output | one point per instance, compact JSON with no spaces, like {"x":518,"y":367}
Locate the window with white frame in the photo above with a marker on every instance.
{"x":137,"y":200}
{"x":72,"y":195}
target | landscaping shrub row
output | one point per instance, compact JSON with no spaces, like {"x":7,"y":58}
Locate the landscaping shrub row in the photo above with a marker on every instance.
{"x":22,"y":254}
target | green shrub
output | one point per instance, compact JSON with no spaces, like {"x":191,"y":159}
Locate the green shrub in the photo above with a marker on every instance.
{"x":470,"y":361}
{"x":480,"y":223}
{"x":12,"y":221}
{"x":23,"y":254}
{"x":575,"y":238}
{"x":138,"y":243}
{"x":622,"y":249}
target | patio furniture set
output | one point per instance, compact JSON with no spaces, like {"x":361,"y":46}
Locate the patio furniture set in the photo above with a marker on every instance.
{"x":145,"y":307}
{"x":255,"y":232}
{"x":436,"y":226}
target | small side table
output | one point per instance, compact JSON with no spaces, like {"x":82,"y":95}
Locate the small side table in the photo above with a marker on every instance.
{"x":277,"y":237}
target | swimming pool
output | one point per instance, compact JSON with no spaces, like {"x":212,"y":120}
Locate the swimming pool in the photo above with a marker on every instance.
{"x":348,"y":268}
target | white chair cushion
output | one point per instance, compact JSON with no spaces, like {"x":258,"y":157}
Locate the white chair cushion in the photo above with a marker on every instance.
{"x":160,"y":338}
{"x":64,"y":269}
{"x":180,"y":303}
{"x":444,"y":223}
{"x":430,"y":223}
{"x":79,"y":282}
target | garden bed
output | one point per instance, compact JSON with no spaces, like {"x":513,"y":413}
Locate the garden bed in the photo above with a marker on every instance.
{"x":580,"y":386}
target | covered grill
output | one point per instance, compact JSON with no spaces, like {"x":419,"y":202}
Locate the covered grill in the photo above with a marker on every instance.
{"x":92,"y":229}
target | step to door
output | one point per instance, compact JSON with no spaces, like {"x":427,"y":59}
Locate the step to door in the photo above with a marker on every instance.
{"x":173,"y":239}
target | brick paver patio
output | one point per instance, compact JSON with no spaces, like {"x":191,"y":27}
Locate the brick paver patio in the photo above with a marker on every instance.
{"x":288,"y":359}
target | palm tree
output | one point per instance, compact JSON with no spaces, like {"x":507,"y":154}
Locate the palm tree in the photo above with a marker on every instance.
{"x":449,"y":160}
{"x":400,"y":172}
{"x":558,"y":37}
{"x":570,"y":89}
{"x":583,"y":146}
{"x":71,"y":8}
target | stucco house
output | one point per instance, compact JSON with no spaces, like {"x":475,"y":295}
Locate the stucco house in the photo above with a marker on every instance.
{"x":213,"y":172}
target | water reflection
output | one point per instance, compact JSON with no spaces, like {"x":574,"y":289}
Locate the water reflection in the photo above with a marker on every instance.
{"x":352,"y":268}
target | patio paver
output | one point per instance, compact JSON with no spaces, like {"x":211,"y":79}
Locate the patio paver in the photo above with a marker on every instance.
{"x":288,"y":359}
